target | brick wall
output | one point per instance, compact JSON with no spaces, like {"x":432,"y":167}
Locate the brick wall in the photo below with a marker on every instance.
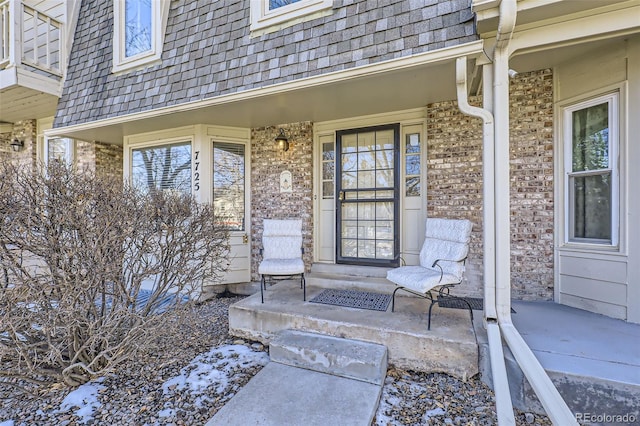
{"x":5,"y":147}
{"x":25,"y":131}
{"x":267,"y":162}
{"x":454,"y":182}
{"x":99,"y":158}
{"x":531,"y":161}
{"x":454,"y":178}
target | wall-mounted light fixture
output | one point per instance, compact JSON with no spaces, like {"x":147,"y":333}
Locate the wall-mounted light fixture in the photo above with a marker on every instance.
{"x":283,"y":141}
{"x":17,"y":145}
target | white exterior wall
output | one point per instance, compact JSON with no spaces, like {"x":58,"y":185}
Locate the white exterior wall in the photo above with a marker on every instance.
{"x":605,"y":280}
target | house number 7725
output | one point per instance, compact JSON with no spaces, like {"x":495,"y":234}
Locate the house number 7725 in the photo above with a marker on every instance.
{"x":196,"y":172}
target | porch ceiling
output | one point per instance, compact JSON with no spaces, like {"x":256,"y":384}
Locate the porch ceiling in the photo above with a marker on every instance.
{"x":394,"y":85}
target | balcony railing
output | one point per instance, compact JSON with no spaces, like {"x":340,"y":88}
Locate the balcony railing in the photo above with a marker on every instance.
{"x":30,"y":38}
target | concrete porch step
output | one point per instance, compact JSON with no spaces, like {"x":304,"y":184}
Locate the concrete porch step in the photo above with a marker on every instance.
{"x":312,"y":379}
{"x":349,"y":282}
{"x":352,"y":270}
{"x":349,"y":277}
{"x":352,"y":359}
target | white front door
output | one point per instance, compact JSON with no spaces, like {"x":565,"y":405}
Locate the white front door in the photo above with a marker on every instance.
{"x":231,"y":205}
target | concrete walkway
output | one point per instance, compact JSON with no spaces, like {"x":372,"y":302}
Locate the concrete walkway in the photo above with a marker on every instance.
{"x":311,"y":380}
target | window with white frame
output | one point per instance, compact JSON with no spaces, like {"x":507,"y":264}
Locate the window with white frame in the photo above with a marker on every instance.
{"x":162,"y":167}
{"x":275,"y":13}
{"x":591,"y":176}
{"x":59,"y":149}
{"x":138,"y":34}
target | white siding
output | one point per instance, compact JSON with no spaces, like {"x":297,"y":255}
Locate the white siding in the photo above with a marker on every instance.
{"x":603,"y":279}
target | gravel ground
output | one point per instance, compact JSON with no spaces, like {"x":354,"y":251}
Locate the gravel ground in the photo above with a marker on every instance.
{"x":135,"y":396}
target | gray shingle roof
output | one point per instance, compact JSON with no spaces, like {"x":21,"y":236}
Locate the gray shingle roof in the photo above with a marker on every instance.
{"x":208,"y":51}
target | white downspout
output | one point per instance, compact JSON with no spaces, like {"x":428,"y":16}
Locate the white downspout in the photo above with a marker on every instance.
{"x":551,"y":400}
{"x":504,"y":408}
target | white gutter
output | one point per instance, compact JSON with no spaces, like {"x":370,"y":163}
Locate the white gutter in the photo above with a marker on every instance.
{"x":504,"y":408}
{"x":551,"y":400}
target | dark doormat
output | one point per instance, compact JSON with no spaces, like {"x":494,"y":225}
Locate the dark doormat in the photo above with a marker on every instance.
{"x":354,"y":299}
{"x":477,"y":303}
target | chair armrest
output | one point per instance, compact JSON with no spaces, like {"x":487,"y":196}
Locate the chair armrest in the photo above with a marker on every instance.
{"x":446,"y":260}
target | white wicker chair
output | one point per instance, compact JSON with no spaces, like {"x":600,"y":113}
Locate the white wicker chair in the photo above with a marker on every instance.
{"x":281,"y":253}
{"x":442,"y":263}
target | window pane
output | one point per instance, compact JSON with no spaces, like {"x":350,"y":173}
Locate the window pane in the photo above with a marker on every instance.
{"x":592,"y":207}
{"x":367,"y":249}
{"x":385,"y":139}
{"x":413,"y":143}
{"x":327,"y":151}
{"x":137,"y":27}
{"x":58,"y":149}
{"x":412,"y":187}
{"x":590,"y":142}
{"x":228,"y":185}
{"x":366,"y":211}
{"x":166,"y":167}
{"x":384,"y":250}
{"x":349,"y":248}
{"x":349,"y":143}
{"x":328,"y":170}
{"x":384,"y":210}
{"x":384,"y":230}
{"x":327,"y":189}
{"x":413,"y":165}
{"x":274,"y":4}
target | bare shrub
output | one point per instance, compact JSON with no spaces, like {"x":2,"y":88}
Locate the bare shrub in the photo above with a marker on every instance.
{"x":77,"y":255}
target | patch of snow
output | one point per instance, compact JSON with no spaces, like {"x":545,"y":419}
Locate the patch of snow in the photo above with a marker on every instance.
{"x":167,"y":412}
{"x":85,"y":399}
{"x":435,"y":412}
{"x":213,"y":370}
{"x":5,"y":336}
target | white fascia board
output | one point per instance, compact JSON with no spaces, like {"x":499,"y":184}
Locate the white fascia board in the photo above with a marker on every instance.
{"x":471,"y":50}
{"x":8,"y":77}
{"x":601,"y":26}
{"x":39,"y":82}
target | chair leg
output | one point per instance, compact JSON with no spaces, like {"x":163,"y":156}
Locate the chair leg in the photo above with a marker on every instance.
{"x":393,"y":298}
{"x":469,"y":306}
{"x":262,"y":284}
{"x":433,"y":302}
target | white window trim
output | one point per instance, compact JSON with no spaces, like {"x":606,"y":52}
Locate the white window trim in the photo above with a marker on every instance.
{"x":265,"y":20}
{"x":70,"y":150}
{"x":614,"y":100}
{"x":159,"y":15}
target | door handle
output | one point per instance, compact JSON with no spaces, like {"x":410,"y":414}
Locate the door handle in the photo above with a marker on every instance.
{"x":245,"y":239}
{"x":341,"y":195}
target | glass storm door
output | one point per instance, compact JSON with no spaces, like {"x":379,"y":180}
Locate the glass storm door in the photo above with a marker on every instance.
{"x":367,"y":201}
{"x":230,"y":201}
